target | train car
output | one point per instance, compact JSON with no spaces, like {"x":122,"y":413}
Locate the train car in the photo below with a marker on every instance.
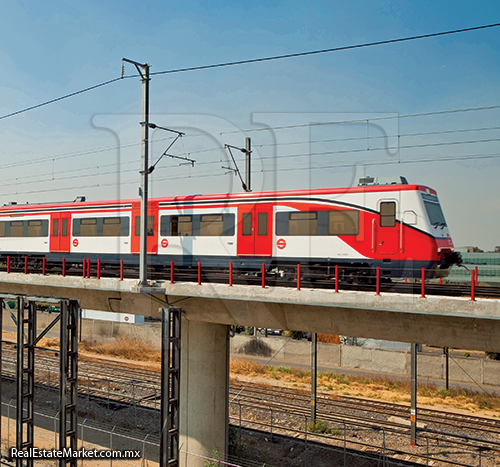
{"x":392,"y":224}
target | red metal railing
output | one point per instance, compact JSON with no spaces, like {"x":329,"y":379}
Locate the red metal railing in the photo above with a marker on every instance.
{"x":423,"y":283}
{"x":473,"y":286}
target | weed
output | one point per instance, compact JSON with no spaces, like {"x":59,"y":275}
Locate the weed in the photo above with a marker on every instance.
{"x":321,"y":427}
{"x":284,"y":369}
{"x":215,"y":462}
{"x":444,"y":393}
{"x":342,"y":379}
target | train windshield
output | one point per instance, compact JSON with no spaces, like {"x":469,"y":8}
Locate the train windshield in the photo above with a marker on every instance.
{"x":435,"y":214}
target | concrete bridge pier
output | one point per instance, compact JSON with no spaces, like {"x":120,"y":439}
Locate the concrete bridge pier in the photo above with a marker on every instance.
{"x":204,"y":392}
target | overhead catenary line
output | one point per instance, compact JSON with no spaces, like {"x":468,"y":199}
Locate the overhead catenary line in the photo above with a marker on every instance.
{"x":217,"y":173}
{"x":322,"y":51}
{"x":256,"y":60}
{"x":439,"y":112}
{"x":55,"y":175}
{"x":363,"y":120}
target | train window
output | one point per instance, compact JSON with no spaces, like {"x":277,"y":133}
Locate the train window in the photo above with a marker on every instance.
{"x":55,"y":227}
{"x":200,"y":225}
{"x":88,"y":227}
{"x":111,"y":227}
{"x":343,"y":222}
{"x":180,"y":226}
{"x":98,"y":227}
{"x":436,"y":215}
{"x":303,"y":223}
{"x":65,"y":228}
{"x":16,"y":229}
{"x":34,"y":229}
{"x":387,"y":214}
{"x":262,"y":223}
{"x":211,"y":225}
{"x":246,"y":224}
{"x":150,"y":228}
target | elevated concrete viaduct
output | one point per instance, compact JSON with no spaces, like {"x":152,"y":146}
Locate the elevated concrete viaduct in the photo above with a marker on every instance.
{"x":209,"y":309}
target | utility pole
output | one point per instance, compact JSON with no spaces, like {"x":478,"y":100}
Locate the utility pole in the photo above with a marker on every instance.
{"x":248,"y":163}
{"x":413,"y":408}
{"x":314,"y":374}
{"x":143,"y":69}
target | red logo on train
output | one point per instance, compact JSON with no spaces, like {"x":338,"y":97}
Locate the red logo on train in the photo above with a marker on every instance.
{"x":281,"y":243}
{"x":75,"y":242}
{"x":164,"y":243}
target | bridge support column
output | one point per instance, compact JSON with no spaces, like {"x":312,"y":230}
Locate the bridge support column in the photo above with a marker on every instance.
{"x":204,"y":392}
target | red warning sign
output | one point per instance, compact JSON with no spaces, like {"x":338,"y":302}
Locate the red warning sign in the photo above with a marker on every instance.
{"x":164,"y":243}
{"x":75,"y":242}
{"x":281,"y":243}
{"x":126,"y":318}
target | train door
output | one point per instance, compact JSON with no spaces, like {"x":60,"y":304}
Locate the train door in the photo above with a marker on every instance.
{"x":388,"y":230}
{"x":255,"y":230}
{"x":60,"y":231}
{"x":152,"y":241}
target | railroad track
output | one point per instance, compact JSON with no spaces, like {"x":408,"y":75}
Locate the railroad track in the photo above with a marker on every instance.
{"x":122,"y":383}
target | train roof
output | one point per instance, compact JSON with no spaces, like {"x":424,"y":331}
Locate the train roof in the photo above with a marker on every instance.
{"x":217,"y":197}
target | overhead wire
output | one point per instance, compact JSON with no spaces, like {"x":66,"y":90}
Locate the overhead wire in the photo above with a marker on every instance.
{"x":255,"y":60}
{"x":363,"y":120}
{"x":52,"y":158}
{"x":57,"y":99}
{"x":263,"y":59}
{"x":322,"y":51}
{"x":339,"y":164}
{"x":56,"y":175}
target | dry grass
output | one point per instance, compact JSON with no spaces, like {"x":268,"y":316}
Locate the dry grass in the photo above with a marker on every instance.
{"x":328,"y":338}
{"x":380,"y":388}
{"x":126,"y":348}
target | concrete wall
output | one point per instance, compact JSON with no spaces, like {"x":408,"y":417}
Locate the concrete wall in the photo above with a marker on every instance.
{"x":461,"y":369}
{"x":96,"y":329}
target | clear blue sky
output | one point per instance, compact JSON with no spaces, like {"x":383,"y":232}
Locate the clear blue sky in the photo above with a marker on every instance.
{"x":54,"y":48}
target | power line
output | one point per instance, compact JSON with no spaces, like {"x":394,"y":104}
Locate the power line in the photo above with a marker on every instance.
{"x":57,"y":99}
{"x":383,"y":148}
{"x":364,"y":120}
{"x":257,"y":60}
{"x":55,"y":176}
{"x":322,"y":51}
{"x":217,"y":173}
{"x":364,"y":138}
{"x":391,"y":162}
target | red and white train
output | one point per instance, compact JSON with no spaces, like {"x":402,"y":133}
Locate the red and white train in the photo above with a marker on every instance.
{"x":397,"y":226}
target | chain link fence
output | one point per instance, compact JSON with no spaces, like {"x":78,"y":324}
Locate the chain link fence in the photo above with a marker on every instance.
{"x":91,"y":436}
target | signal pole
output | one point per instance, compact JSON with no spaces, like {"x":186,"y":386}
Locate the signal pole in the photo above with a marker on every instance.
{"x":143,"y":69}
{"x":248,"y":163}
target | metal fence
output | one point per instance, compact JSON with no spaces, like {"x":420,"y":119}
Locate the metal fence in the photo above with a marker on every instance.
{"x":90,"y":436}
{"x":352,"y":439}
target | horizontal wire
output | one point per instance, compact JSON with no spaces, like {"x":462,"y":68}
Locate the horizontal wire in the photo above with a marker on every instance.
{"x":52,"y":176}
{"x":394,"y":162}
{"x":285,"y":169}
{"x":322,"y":51}
{"x":256,"y":60}
{"x":364,"y":120}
